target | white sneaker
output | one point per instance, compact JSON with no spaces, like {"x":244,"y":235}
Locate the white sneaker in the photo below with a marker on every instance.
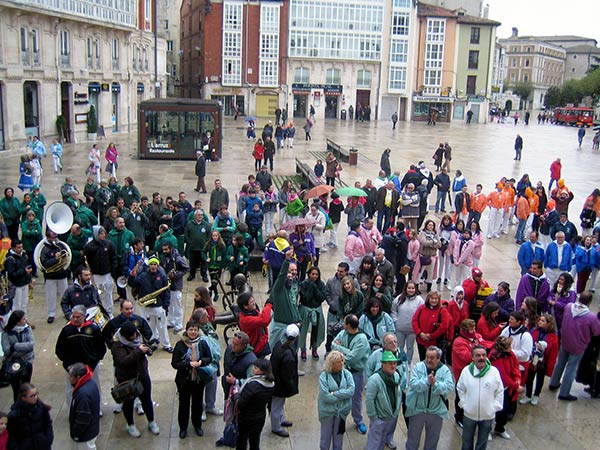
{"x":118,"y":408}
{"x":153,"y":427}
{"x":203,"y":416}
{"x":133,"y":431}
{"x":139,"y":409}
{"x":535,"y":400}
{"x":525,"y":400}
{"x":215,"y":411}
{"x":490,"y":437}
{"x":504,"y":434}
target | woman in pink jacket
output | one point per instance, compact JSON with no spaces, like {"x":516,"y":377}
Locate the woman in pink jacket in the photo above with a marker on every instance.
{"x":477,"y":237}
{"x":463,"y":258}
{"x":354,"y":249}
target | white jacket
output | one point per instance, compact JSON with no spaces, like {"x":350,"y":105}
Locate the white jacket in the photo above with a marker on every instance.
{"x":522,"y":343}
{"x":480,"y":397}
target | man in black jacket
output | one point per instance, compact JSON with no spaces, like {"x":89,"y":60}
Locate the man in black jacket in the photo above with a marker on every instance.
{"x":237,"y":362}
{"x":127,"y":315}
{"x":84,"y":413}
{"x":51,"y":256}
{"x":102,"y":259}
{"x":81,"y":292}
{"x":175,"y":267}
{"x":150,"y":282}
{"x":442,"y":182}
{"x":284,"y":361}
{"x":80,"y":341}
{"x":19,"y":273}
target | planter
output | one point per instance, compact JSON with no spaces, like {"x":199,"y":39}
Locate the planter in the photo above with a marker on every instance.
{"x":92,"y":136}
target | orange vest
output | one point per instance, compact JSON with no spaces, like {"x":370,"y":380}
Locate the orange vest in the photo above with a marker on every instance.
{"x":478,"y":202}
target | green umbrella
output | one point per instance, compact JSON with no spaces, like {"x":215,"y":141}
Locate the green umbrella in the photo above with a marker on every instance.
{"x":351,"y":192}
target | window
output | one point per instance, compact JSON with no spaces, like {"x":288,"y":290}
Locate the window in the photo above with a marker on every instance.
{"x":525,"y":78}
{"x":174,"y":70}
{"x":475,"y":31}
{"x":436,"y":30}
{"x":401,"y":3}
{"x":471,"y":84}
{"x":363,"y":79}
{"x":115,"y":54}
{"x":399,"y":51}
{"x":514,"y":62}
{"x":24,"y":47}
{"x":90,"y":53}
{"x":169,"y":46}
{"x":574,"y":56}
{"x":146,"y":66}
{"x":302,"y":75}
{"x":473,"y":59}
{"x":332,"y":76}
{"x":231,"y":67}
{"x":64,"y":47}
{"x":397,"y":79}
{"x":400,"y":24}
{"x":268,"y":73}
{"x":97,"y":52}
{"x":526,"y":63}
{"x":166,"y":25}
{"x":433,"y":77}
{"x":135,"y":52}
{"x":147,"y":10}
{"x":269,"y":46}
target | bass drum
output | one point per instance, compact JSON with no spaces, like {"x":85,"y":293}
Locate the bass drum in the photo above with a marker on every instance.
{"x":97,"y":315}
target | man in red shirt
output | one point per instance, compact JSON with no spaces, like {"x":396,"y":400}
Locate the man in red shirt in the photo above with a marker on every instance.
{"x":476,"y":291}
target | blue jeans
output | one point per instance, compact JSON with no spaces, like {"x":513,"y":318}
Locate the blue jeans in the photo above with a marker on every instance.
{"x":484,"y":427}
{"x":383,"y":218}
{"x":440,"y":202}
{"x":567,"y":363}
{"x":520,"y":236}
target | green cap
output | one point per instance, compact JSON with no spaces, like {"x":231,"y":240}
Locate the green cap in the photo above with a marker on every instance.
{"x":388,"y":356}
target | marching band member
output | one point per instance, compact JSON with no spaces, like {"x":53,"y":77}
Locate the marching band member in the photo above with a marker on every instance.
{"x":54,"y":265}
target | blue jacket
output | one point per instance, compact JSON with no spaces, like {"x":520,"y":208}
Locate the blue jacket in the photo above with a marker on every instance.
{"x":528,"y":253}
{"x":84,"y":415}
{"x":551,"y":257}
{"x":335,"y":400}
{"x":375,"y":334}
{"x":250,"y":203}
{"x":584,"y":259}
{"x":422,"y":397}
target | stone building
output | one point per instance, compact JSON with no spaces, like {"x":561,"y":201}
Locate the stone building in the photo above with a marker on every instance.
{"x":59,"y":58}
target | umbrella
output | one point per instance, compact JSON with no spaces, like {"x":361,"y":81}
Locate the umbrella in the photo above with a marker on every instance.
{"x":295,"y":222}
{"x":250,"y":119}
{"x":351,"y":192}
{"x":317,"y":191}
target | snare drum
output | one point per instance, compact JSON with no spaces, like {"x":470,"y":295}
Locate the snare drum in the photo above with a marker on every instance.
{"x":97,"y":316}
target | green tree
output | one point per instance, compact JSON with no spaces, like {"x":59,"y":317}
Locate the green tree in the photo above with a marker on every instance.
{"x":522,"y":89}
{"x":552,"y":98}
{"x":92,"y":120}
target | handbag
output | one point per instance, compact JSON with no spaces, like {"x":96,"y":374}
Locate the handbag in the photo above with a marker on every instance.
{"x":109,"y":167}
{"x":127,"y":390}
{"x":12,"y":369}
{"x":405,"y":270}
{"x":425,"y":260}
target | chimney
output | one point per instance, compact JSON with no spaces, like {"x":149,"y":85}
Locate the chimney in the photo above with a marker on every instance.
{"x":515,"y":32}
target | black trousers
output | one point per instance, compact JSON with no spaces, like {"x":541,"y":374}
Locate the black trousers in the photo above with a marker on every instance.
{"x":249,"y":433}
{"x":145,"y":398}
{"x":190,"y":392}
{"x":502,"y":415}
{"x":538,"y":376}
{"x":196,"y":261}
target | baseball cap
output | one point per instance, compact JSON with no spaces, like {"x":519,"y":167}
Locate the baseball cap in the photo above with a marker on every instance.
{"x":292,"y":331}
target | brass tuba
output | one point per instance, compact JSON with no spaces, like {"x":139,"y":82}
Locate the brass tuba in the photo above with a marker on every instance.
{"x":64,"y":257}
{"x":59,"y":219}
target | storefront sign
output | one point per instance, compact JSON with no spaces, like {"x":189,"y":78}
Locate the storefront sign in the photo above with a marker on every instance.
{"x":93,"y":87}
{"x":140,"y":88}
{"x":158,"y":148}
{"x":80,"y":98}
{"x":329,"y":89}
{"x":421,"y":98}
{"x":105,"y":87}
{"x":115,"y":87}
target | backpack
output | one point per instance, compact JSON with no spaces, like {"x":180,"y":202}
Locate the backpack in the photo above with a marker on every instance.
{"x":215,"y":349}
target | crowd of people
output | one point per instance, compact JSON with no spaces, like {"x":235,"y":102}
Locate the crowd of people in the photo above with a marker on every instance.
{"x":406,"y":277}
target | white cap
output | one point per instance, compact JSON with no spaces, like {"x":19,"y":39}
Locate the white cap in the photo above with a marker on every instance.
{"x":292,"y":331}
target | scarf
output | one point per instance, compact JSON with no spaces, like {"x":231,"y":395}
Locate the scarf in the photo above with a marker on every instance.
{"x":391,"y":386}
{"x":84,"y":379}
{"x":193,"y":353}
{"x":483,"y":371}
{"x":126,"y":342}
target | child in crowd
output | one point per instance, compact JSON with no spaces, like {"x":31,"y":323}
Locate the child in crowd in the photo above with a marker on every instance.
{"x":319,"y":170}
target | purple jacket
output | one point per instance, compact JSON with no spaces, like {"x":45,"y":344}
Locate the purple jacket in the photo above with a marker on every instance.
{"x":559,"y":307}
{"x":578,"y":326}
{"x":531,"y":286}
{"x":507,"y":305}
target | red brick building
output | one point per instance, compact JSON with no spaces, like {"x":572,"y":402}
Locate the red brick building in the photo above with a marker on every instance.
{"x":235,"y":51}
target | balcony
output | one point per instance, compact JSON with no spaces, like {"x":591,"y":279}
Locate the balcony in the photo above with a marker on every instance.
{"x":89,"y":9}
{"x":432,"y":90}
{"x":65,"y":60}
{"x":115,"y":64}
{"x":25,"y":58}
{"x":36,"y":58}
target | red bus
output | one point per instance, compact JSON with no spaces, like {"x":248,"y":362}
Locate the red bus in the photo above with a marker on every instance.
{"x":574,"y":116}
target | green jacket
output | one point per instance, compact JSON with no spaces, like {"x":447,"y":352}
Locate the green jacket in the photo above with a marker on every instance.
{"x":26,"y":207}
{"x":137,"y":224}
{"x":335,"y":400}
{"x":129,"y":194}
{"x":197,"y":234}
{"x":121,"y":240}
{"x":190,"y":216}
{"x":216,"y":255}
{"x":10,"y":210}
{"x":422,"y":398}
{"x":31,"y":233}
{"x":76,"y":244}
{"x":41,"y":202}
{"x":356,"y":351}
{"x":285,"y":298}
{"x":241,"y":257}
{"x":167,"y":236}
{"x":295,"y":207}
{"x":377,"y":399}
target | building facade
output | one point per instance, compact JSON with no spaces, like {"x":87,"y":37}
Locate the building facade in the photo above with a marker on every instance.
{"x":60,"y":58}
{"x":235,"y":52}
{"x":531,"y":60}
{"x":168,"y":29}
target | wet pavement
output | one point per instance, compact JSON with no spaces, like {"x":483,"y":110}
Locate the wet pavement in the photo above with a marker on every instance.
{"x":484,"y":153}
